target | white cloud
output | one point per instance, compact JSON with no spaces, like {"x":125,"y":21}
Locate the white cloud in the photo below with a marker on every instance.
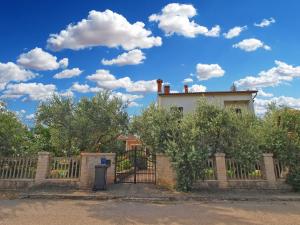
{"x":251,"y":44}
{"x":30,"y":116}
{"x":265,"y":22}
{"x":34,"y":91}
{"x":67,"y":93}
{"x":134,"y":104}
{"x":264,"y":94}
{"x":207,"y":71}
{"x":262,"y":104}
{"x":197,"y":88}
{"x":84,"y":88}
{"x":103,"y":29}
{"x":175,"y":18}
{"x":11,"y":72}
{"x":279,"y":74}
{"x":105,"y":79}
{"x":132,"y":57}
{"x":68,"y":73}
{"x":20,"y":113}
{"x":38,"y":59}
{"x":188,"y":80}
{"x":64,"y":63}
{"x":127,"y":97}
{"x":234,"y":32}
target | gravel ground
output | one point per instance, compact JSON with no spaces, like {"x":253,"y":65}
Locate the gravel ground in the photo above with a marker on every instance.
{"x":75,"y":212}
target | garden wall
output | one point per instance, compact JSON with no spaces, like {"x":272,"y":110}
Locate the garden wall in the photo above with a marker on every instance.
{"x":226,"y":173}
{"x":46,"y":171}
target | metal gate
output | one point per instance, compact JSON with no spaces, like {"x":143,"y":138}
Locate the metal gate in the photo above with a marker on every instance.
{"x":135,"y":166}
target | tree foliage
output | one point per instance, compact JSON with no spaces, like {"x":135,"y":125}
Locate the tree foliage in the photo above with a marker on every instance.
{"x":14,"y":136}
{"x":89,"y":125}
{"x":99,"y":122}
{"x":191,"y":139}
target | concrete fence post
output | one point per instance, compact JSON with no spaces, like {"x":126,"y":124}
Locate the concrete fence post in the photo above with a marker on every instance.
{"x":42,"y":167}
{"x":165,"y":174}
{"x":87,"y":168}
{"x":221,"y":170}
{"x":269,"y":172}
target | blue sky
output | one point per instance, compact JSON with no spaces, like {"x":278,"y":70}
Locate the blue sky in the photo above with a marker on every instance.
{"x":126,"y":45}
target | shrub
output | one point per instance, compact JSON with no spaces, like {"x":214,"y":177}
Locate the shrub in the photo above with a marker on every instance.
{"x":124,"y":165}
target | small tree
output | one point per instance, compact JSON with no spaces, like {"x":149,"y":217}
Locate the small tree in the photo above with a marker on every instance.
{"x":57,"y":114}
{"x":191,"y":139}
{"x":99,"y":122}
{"x":14,"y":136}
{"x":154,"y":126}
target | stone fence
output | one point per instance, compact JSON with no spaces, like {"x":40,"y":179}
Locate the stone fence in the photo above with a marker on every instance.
{"x":45,"y":170}
{"x":222,"y":172}
{"x":79,"y":172}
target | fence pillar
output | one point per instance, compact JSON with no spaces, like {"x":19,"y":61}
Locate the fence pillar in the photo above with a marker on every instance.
{"x":269,"y":171}
{"x":87,"y":170}
{"x":165,"y":174}
{"x":221,"y":170}
{"x":42,"y":169}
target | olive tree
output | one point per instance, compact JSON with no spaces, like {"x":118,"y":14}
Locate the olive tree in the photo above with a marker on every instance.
{"x":92,"y":124}
{"x":14,"y":135}
{"x":100,"y":121}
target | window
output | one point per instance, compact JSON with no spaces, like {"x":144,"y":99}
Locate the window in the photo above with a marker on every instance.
{"x":238,"y":110}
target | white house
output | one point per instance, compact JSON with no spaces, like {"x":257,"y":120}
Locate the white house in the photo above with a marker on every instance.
{"x":187,"y":101}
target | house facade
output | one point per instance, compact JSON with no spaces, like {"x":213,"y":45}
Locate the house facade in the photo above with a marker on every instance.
{"x":187,"y":101}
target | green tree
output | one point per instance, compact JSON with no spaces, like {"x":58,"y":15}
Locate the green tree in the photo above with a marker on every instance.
{"x":57,"y":114}
{"x":14,"y":136}
{"x":100,"y":121}
{"x":154,"y":126}
{"x":89,"y":125}
{"x":192,"y":138}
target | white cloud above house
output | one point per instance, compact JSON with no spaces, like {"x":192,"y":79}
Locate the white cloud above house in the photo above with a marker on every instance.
{"x":251,"y":44}
{"x":234,"y":32}
{"x":133,"y":57}
{"x":208,"y":71}
{"x":128,"y":98}
{"x":10,"y":72}
{"x":261,"y":105}
{"x":197,"y":88}
{"x":281,"y":73}
{"x":265,"y":22}
{"x":68,"y":73}
{"x":37,"y":59}
{"x":262,"y":93}
{"x":176,"y":18}
{"x":188,"y":80}
{"x":106,"y":28}
{"x":34,"y":91}
{"x":106,"y":80}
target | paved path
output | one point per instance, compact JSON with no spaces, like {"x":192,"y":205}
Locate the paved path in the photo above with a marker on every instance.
{"x":75,"y":212}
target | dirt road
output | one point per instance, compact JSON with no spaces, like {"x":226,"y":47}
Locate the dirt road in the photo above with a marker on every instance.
{"x":75,"y":212}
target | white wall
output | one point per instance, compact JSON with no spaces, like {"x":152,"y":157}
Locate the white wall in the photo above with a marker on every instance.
{"x":189,"y":102}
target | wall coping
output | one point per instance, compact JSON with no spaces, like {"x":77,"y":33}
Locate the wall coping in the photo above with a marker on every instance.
{"x":44,"y":153}
{"x":97,"y":154}
{"x":161,"y":154}
{"x":267,"y":154}
{"x":20,"y":179}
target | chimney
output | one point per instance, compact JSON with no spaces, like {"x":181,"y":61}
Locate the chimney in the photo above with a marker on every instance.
{"x":167,"y":89}
{"x":186,"y":88}
{"x":159,"y":85}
